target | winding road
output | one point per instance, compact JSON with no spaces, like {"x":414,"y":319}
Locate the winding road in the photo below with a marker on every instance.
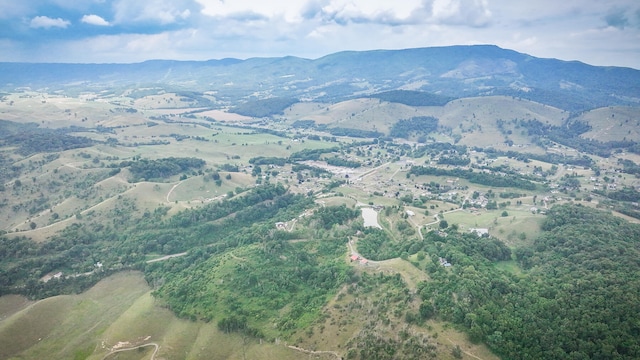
{"x":437,"y":217}
{"x":173,"y":188}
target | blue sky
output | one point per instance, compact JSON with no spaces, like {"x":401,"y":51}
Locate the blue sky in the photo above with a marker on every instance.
{"x":98,"y":31}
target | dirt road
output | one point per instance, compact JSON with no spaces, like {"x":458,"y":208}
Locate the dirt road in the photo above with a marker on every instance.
{"x":166,"y":257}
{"x":153,"y":356}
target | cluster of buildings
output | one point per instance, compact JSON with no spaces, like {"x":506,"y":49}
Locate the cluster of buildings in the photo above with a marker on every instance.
{"x":358,"y":258}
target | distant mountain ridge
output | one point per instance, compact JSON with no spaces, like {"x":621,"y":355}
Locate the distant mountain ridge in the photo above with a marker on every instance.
{"x":453,"y":71}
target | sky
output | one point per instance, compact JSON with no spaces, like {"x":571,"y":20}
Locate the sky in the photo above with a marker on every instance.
{"x":596,"y":32}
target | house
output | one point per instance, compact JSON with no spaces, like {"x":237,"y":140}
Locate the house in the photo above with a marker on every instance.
{"x":354,"y":257}
{"x":480,"y":231}
{"x":444,"y":262}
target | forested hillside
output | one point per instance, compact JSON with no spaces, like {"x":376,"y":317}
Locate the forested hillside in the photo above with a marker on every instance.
{"x":577,"y":298}
{"x":30,"y":139}
{"x":267,"y":278}
{"x":124,"y":243}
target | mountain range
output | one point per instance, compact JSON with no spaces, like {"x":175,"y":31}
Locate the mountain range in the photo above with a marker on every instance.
{"x":452,"y":72}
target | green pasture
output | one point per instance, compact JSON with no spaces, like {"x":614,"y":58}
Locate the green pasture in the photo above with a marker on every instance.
{"x":509,"y":228}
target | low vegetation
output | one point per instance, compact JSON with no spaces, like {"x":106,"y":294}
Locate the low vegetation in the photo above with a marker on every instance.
{"x":264,"y":107}
{"x":412,"y":98}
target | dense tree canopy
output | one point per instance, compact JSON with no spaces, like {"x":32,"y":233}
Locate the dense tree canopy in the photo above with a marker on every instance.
{"x":476,"y":177}
{"x":30,"y":139}
{"x":335,"y":215}
{"x":576,"y":300}
{"x":263,"y":107}
{"x":337,"y":161}
{"x":418,"y":125}
{"x":357,"y":133}
{"x":162,"y":168}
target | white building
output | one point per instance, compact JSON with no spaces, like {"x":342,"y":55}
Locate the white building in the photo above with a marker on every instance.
{"x":480,"y":231}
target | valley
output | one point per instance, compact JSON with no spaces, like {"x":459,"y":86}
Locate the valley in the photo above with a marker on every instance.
{"x":152,"y":223}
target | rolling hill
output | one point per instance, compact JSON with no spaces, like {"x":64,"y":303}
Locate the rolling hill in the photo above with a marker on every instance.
{"x":455,"y":72}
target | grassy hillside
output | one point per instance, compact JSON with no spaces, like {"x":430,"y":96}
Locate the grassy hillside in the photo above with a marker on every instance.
{"x":612,"y":124}
{"x":473,"y":120}
{"x":119,"y":313}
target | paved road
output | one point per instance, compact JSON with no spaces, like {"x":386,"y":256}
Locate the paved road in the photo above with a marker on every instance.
{"x":373,"y":171}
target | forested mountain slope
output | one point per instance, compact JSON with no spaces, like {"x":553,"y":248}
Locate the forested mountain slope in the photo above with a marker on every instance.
{"x":453,"y":72}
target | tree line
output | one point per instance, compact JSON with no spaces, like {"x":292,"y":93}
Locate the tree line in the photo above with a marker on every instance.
{"x":483,"y":178}
{"x":161,"y":168}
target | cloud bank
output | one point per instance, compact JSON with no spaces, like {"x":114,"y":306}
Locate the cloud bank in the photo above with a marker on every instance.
{"x":600,"y":33}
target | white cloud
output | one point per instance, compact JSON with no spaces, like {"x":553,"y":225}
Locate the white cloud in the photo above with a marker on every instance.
{"x":94,"y":20}
{"x":47,"y":22}
{"x":601,"y":33}
{"x":346,"y":10}
{"x":462,"y":13}
{"x":220,"y":8}
{"x":472,"y":13}
{"x":328,"y":10}
{"x":163,"y":12}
